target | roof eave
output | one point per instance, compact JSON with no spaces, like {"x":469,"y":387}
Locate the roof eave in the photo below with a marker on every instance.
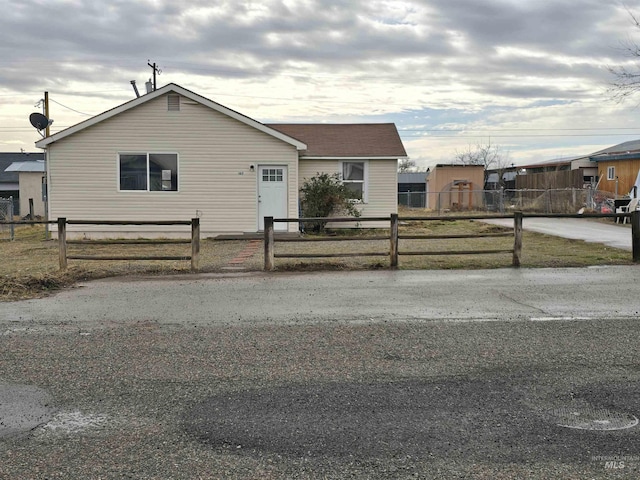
{"x":622,"y":156}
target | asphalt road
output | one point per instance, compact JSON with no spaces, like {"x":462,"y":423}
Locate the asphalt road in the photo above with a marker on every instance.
{"x":486,"y":374}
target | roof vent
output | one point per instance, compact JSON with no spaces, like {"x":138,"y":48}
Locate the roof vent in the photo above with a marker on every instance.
{"x":173,"y":103}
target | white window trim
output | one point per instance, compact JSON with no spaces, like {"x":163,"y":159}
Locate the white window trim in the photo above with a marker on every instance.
{"x":147,"y":153}
{"x":611,"y":173}
{"x":365,"y":180}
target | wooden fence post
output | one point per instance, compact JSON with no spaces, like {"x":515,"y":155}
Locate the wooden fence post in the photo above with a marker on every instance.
{"x":635,"y":235}
{"x":517,"y":238}
{"x":393,"y":236}
{"x":195,"y":244}
{"x":62,"y":242}
{"x":268,"y":244}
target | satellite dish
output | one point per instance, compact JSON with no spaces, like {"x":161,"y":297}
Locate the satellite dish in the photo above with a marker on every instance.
{"x":39,"y":121}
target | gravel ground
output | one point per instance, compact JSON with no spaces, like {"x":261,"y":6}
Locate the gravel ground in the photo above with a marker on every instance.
{"x":322,"y":400}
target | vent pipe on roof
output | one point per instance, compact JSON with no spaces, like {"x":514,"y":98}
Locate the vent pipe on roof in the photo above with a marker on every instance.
{"x":135,"y":89}
{"x":149,"y":86}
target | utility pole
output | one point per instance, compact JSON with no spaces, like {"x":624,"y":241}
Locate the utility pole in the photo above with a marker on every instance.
{"x":46,"y":112}
{"x":45,"y":180}
{"x":156,"y":70}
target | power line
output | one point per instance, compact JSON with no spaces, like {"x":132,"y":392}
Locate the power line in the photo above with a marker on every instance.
{"x":72,"y":109}
{"x":523,"y":135}
{"x":513,"y":129}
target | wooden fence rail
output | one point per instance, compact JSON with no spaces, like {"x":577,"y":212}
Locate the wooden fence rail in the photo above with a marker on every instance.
{"x":394,"y":236}
{"x":194,"y":241}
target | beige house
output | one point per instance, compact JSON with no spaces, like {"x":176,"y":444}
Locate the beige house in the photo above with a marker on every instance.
{"x":175,"y":155}
{"x":455,"y":187}
{"x":30,"y":176}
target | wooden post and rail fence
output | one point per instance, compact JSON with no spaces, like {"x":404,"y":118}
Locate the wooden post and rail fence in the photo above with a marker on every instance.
{"x":194,"y":241}
{"x":394,"y":236}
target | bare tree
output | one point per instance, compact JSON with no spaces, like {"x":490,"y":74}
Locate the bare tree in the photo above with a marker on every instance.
{"x":627,"y":81}
{"x":405,"y":165}
{"x":490,"y":156}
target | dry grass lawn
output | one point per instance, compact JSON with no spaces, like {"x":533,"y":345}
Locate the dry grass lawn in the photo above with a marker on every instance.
{"x":29,"y":265}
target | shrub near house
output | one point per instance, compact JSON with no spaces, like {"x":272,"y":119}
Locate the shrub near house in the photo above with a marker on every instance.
{"x":325,"y":195}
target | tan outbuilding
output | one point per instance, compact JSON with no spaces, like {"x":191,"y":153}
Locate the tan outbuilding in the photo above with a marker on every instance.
{"x":455,"y":187}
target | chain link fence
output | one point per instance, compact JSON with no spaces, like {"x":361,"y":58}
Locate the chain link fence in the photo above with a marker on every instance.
{"x":6,"y":215}
{"x":412,"y":199}
{"x":570,"y":200}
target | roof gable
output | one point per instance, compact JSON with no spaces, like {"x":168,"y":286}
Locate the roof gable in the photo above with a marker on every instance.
{"x":172,"y":87}
{"x":360,"y":140}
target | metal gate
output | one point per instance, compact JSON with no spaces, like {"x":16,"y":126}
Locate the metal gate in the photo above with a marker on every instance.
{"x":6,"y":215}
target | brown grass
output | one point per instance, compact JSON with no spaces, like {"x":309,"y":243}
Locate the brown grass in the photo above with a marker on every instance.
{"x":29,"y":265}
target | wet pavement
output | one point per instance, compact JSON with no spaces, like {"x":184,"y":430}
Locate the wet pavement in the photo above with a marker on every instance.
{"x":510,"y":373}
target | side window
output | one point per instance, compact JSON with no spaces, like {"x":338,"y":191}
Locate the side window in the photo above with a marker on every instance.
{"x":133,"y":171}
{"x":353,"y":177}
{"x":163,"y":172}
{"x":150,"y":172}
{"x":611,"y":173}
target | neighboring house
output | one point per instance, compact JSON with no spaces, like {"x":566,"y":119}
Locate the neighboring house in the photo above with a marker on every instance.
{"x":9,"y":182}
{"x":455,"y":187}
{"x":174,"y":155}
{"x":412,"y":189}
{"x":576,"y":172}
{"x":30,"y":177}
{"x":619,"y":168}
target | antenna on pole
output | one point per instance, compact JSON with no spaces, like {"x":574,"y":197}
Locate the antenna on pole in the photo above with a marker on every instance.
{"x":156,"y":70}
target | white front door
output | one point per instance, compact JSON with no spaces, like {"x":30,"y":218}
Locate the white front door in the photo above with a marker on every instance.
{"x":272,"y":194}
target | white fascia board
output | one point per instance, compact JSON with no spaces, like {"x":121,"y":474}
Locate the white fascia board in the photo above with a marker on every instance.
{"x":303,"y":157}
{"x":172,"y":87}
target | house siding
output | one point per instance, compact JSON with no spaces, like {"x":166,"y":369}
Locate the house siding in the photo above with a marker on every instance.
{"x":215,"y":182}
{"x":626,"y":171}
{"x":382,"y":186}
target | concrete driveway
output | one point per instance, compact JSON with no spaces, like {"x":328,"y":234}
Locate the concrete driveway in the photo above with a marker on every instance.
{"x":614,"y":235}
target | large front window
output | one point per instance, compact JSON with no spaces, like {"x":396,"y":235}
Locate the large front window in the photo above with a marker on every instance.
{"x":353,"y":177}
{"x":150,"y":172}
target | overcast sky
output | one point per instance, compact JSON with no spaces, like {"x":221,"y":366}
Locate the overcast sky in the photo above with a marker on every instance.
{"x":528,"y":75}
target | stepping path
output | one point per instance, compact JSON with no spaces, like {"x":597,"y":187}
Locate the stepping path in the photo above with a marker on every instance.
{"x":249,"y":251}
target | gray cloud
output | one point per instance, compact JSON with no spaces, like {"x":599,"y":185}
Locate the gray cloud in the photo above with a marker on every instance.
{"x":53,"y":42}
